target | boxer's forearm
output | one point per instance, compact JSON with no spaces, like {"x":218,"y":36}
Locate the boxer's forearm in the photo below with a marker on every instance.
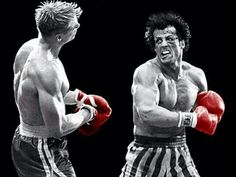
{"x":69,"y":98}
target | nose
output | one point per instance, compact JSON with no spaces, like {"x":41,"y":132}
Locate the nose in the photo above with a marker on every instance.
{"x":75,"y":30}
{"x":164,"y":42}
{"x":76,"y":27}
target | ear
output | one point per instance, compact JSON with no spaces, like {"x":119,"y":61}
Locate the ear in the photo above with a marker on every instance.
{"x":182,"y":44}
{"x":58,"y":37}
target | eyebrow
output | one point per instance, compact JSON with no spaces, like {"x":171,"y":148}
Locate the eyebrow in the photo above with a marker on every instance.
{"x":74,"y":25}
{"x":172,"y":35}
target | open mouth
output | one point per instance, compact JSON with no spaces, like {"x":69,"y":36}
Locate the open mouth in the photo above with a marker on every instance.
{"x":165,"y":53}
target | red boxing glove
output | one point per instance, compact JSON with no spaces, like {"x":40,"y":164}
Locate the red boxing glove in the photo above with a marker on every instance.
{"x":79,"y":97}
{"x":212,"y":101}
{"x":206,"y":122}
{"x":103,"y":113}
{"x":200,"y":119}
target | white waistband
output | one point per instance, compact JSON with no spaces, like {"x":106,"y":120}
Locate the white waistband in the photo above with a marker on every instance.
{"x":33,"y":131}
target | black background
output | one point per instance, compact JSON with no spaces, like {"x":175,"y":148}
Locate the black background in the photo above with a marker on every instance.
{"x":108,"y":47}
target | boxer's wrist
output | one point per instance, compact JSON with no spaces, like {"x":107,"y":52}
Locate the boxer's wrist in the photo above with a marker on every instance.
{"x":91,"y":110}
{"x":187,"y":119}
{"x":79,"y":97}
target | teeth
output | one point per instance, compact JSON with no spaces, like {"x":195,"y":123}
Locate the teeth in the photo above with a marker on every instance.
{"x":165,"y":52}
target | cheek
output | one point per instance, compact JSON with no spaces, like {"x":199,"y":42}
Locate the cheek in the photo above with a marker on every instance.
{"x":72,"y":33}
{"x":75,"y":31}
{"x":175,"y":48}
{"x":156,"y":48}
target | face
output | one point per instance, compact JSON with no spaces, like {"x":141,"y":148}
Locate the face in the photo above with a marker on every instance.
{"x":167,"y":45}
{"x":70,"y":34}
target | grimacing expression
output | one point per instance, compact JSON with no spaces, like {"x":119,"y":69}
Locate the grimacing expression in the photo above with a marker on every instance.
{"x":167,"y":44}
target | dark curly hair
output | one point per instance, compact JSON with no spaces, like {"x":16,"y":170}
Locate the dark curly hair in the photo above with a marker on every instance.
{"x":161,"y":20}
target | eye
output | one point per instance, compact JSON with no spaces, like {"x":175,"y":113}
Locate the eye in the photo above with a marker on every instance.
{"x":171,"y":39}
{"x":158,"y":40}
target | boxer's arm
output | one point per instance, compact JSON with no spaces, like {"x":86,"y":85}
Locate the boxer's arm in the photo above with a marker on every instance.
{"x":200,"y":79}
{"x":74,"y":97}
{"x":208,"y":108}
{"x":22,"y":55}
{"x":19,"y":62}
{"x":146,"y":101}
{"x":53,"y":108}
{"x":208,"y":113}
{"x":69,"y":98}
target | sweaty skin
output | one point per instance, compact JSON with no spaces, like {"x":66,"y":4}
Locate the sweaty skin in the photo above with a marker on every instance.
{"x":37,"y":75}
{"x":163,"y":86}
{"x":40,"y":86}
{"x":23,"y":87}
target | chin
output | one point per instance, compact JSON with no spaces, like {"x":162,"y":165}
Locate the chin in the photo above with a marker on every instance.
{"x":71,"y":39}
{"x":166,"y":60}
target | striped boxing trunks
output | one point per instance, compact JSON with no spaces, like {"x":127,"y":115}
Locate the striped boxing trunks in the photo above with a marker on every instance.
{"x":158,"y":157}
{"x":40,"y":157}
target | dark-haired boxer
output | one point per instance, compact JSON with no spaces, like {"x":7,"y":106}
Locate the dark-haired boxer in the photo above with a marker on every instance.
{"x":165,"y":90}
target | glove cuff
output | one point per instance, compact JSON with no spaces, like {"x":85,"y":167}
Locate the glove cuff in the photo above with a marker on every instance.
{"x":187,"y":119}
{"x":79,"y":101}
{"x":91,"y":110}
{"x":76,"y":94}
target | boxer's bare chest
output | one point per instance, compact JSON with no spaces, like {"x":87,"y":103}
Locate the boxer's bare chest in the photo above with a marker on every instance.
{"x":178,"y":95}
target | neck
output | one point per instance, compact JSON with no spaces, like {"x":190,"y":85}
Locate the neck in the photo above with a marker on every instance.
{"x":50,"y":45}
{"x":174,"y":70}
